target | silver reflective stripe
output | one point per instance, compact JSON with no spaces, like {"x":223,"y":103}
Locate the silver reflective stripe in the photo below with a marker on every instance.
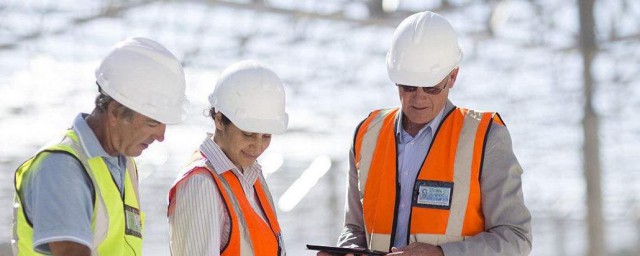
{"x":133,"y":175}
{"x":265,"y":188}
{"x":380,"y":242}
{"x":246,"y":248}
{"x":369,"y":140}
{"x":462,"y":173}
{"x":435,"y":239}
{"x":101,"y":220}
{"x":279,"y":237}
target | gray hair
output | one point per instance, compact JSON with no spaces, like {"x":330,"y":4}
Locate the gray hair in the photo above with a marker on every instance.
{"x":102,"y":102}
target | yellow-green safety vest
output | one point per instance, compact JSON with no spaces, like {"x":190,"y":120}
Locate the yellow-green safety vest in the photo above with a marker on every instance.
{"x":117,"y":224}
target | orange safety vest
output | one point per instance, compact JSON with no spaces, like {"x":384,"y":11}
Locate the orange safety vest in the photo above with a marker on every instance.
{"x":263,"y":238}
{"x":446,"y":203}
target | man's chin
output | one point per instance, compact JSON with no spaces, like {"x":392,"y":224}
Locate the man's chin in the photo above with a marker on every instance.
{"x":135,"y":153}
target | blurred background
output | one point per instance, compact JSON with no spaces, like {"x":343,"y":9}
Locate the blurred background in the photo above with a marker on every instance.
{"x":562,"y":74}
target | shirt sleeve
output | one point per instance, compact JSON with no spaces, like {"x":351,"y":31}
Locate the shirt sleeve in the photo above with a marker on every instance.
{"x":58,"y":199}
{"x":195,"y":227}
{"x":507,"y":219}
{"x":353,"y":234}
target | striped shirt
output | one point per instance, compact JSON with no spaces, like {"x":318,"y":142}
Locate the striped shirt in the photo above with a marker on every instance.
{"x":199,"y":223}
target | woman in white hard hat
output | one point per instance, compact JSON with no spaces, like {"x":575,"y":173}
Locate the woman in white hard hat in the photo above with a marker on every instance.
{"x":220,"y":203}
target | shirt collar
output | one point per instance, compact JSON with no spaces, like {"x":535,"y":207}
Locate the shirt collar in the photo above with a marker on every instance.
{"x":87,"y":137}
{"x":433,"y":125}
{"x":219,"y":160}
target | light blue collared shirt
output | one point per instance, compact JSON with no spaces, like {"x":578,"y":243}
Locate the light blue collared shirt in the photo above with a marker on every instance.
{"x":411,"y":153}
{"x":57,"y":194}
{"x":93,"y":148}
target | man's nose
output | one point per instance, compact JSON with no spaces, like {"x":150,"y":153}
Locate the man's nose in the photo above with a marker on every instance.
{"x":159,"y":135}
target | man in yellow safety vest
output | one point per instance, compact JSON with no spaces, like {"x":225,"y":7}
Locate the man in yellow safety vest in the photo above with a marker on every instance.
{"x":78,"y":195}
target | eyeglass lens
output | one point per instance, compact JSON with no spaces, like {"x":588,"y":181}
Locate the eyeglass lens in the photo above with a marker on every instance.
{"x":430,"y":90}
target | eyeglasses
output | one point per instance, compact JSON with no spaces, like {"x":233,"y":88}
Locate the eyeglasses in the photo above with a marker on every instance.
{"x":434,"y":90}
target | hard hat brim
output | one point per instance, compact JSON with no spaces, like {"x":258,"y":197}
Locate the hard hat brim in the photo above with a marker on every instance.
{"x":265,"y":126}
{"x":166,"y":114}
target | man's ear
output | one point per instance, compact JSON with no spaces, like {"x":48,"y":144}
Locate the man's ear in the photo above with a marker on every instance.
{"x":453,"y":76}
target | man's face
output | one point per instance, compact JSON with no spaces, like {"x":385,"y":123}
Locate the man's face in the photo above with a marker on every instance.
{"x":420,"y":107}
{"x":242,"y":148}
{"x":134,"y":133}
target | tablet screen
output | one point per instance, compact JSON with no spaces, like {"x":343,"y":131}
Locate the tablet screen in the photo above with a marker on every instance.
{"x":341,"y":250}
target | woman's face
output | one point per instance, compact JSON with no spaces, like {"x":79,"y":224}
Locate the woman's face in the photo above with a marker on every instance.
{"x":242,"y":148}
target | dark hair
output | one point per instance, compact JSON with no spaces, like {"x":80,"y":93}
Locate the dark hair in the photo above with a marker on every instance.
{"x":212,"y":114}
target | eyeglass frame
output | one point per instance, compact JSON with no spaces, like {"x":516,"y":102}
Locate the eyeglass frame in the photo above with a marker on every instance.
{"x":432,"y":90}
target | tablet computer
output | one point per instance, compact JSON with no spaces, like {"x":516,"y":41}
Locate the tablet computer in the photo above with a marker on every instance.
{"x":341,"y":250}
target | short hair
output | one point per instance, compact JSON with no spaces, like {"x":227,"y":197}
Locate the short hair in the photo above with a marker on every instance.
{"x":102,"y":102}
{"x":212,"y":114}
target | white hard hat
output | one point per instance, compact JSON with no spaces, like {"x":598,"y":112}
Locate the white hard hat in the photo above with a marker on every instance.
{"x":423,"y":51}
{"x":144,"y":76}
{"x":252,"y":97}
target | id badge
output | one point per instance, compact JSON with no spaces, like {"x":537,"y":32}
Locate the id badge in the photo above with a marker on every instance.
{"x":433,"y":194}
{"x":133,"y":223}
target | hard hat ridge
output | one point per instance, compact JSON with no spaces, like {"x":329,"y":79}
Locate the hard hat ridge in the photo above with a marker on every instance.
{"x":252,"y":97}
{"x":147,"y":78}
{"x":152,"y":50}
{"x":423,"y":51}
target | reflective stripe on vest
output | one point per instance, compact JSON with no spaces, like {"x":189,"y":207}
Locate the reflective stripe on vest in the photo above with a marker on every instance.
{"x":250,"y":235}
{"x":116,"y":226}
{"x":454,"y":157}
